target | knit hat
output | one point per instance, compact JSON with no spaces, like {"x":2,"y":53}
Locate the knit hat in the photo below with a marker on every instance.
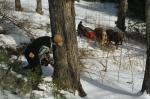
{"x":43,"y":50}
{"x":43,"y":55}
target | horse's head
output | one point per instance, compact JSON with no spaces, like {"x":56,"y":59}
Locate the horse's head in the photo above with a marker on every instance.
{"x":101,"y":36}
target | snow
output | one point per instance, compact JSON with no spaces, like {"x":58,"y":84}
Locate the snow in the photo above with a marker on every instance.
{"x":125,"y":66}
{"x":8,"y":95}
{"x":47,"y":70}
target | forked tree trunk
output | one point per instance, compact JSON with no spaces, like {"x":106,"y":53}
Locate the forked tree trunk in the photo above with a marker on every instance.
{"x":18,"y":5}
{"x":66,"y":62}
{"x":39,"y":7}
{"x":120,"y":23}
{"x":146,"y":81}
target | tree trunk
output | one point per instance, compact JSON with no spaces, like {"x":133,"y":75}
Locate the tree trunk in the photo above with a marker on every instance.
{"x":66,"y":61}
{"x":18,"y":5}
{"x":146,"y":81}
{"x":139,"y":10}
{"x":122,"y":15}
{"x":39,"y":7}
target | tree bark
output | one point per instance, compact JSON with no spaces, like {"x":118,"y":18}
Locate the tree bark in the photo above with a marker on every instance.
{"x":146,"y":81}
{"x":18,"y":5}
{"x":120,"y":23}
{"x":66,"y":62}
{"x":39,"y":7}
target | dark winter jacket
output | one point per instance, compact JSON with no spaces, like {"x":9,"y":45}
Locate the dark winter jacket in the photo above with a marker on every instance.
{"x":34,"y":48}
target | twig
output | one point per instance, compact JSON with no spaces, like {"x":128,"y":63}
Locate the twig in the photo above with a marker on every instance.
{"x":133,"y":55}
{"x":131,"y":72}
{"x":120,"y":64}
{"x":28,"y":32}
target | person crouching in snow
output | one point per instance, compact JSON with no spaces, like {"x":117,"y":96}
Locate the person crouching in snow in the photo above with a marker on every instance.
{"x":35,"y":55}
{"x":38,"y":54}
{"x":32,"y":50}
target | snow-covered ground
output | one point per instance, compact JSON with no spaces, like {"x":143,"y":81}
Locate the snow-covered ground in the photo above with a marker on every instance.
{"x":114,"y":74}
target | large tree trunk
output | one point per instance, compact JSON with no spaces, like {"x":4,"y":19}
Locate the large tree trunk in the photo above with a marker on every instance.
{"x":66,"y":62}
{"x":18,"y":5}
{"x":146,"y":81}
{"x":39,"y":7}
{"x":139,"y":10}
{"x":122,"y":15}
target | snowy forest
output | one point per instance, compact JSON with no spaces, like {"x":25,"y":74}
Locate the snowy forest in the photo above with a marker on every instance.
{"x":74,"y":49}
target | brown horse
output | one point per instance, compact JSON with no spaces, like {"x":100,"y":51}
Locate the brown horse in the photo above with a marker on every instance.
{"x":101,"y":36}
{"x":116,"y":37}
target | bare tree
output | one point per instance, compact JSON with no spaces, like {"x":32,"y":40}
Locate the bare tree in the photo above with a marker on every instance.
{"x":18,"y":5}
{"x":120,"y":23}
{"x":146,"y":81}
{"x":66,"y":62}
{"x":39,"y":7}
